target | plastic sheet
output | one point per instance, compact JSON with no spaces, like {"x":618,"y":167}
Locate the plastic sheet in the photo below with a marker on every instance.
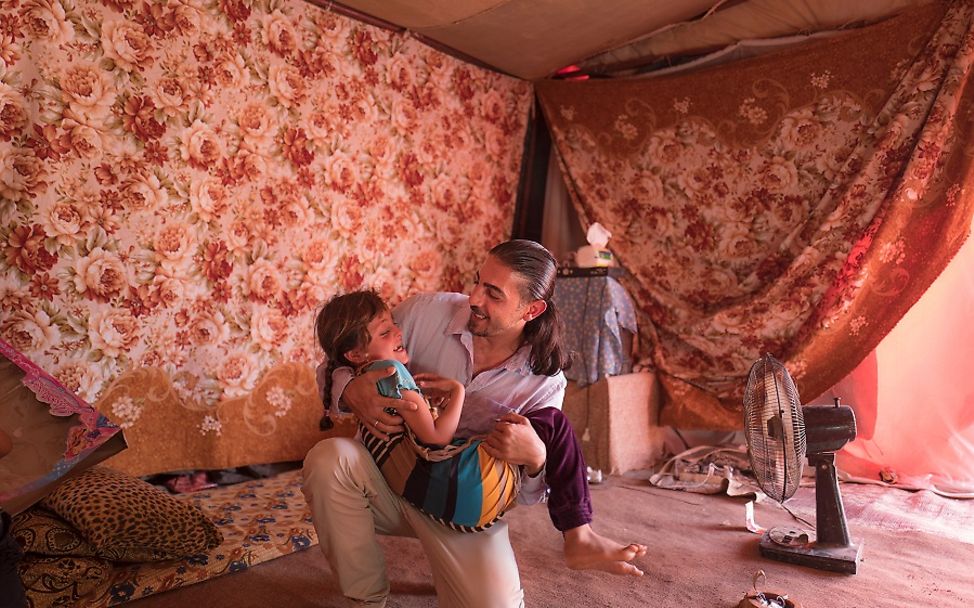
{"x":914,"y":395}
{"x":53,"y":432}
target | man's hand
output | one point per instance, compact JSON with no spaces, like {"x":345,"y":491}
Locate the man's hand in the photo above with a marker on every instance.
{"x":369,"y":407}
{"x":514,"y":440}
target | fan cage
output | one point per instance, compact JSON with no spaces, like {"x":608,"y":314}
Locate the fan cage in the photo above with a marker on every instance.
{"x":774,"y":428}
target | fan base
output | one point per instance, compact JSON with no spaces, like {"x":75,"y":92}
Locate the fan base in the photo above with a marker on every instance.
{"x":835,"y":558}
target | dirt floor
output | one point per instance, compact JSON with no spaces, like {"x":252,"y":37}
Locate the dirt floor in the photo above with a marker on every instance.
{"x":917,"y":550}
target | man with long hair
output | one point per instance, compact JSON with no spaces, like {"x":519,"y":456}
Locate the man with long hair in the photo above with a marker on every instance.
{"x":503,"y":343}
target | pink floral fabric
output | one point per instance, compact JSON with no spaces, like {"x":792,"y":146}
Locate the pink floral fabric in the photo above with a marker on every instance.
{"x":183,"y":184}
{"x":797,"y":203}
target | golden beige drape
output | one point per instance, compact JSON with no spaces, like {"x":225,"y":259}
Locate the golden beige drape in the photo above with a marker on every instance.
{"x":797,"y":203}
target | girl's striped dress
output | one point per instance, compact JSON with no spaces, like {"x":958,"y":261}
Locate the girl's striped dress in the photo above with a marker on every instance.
{"x":459,"y":485}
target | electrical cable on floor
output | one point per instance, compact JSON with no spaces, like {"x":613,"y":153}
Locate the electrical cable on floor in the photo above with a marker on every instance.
{"x":686,"y":445}
{"x":797,"y":517}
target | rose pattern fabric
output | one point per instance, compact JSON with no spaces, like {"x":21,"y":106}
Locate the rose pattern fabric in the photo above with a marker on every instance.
{"x":796,"y":203}
{"x":183,"y":184}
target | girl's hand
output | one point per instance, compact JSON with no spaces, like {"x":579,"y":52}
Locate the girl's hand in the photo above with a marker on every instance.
{"x":446,"y":394}
{"x":439,"y":389}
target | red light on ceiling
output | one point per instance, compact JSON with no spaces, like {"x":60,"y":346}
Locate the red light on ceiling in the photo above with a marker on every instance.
{"x":571,"y":72}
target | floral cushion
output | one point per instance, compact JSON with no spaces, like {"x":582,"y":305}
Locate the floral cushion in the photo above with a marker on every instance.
{"x":127,"y":519}
{"x":42,"y":532}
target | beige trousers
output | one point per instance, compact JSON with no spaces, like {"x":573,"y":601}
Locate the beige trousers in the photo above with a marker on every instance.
{"x":351,"y":502}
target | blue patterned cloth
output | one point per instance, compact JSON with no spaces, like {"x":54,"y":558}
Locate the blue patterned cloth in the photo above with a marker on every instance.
{"x":595,"y":310}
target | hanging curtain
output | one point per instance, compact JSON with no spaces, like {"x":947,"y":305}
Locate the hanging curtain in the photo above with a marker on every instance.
{"x":797,"y":203}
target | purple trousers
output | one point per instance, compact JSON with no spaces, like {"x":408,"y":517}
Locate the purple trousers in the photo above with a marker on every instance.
{"x":569,"y":503}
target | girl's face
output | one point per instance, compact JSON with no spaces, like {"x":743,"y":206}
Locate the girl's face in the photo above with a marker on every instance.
{"x":386,"y":340}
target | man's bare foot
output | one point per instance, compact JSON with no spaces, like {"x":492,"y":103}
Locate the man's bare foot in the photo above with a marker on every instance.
{"x":586,"y":550}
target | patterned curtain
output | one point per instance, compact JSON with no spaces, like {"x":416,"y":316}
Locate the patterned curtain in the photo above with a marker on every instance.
{"x":797,"y":203}
{"x":184,"y":183}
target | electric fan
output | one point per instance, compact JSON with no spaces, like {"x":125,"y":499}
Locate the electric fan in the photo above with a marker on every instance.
{"x":780,"y":433}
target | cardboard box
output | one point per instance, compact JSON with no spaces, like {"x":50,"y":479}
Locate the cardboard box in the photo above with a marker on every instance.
{"x":616,"y":420}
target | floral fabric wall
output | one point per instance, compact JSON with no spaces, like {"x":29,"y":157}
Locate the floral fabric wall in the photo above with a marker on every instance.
{"x":797,"y":203}
{"x":183,"y":184}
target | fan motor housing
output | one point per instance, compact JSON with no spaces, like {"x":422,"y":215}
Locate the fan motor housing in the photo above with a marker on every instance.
{"x":828,"y":427}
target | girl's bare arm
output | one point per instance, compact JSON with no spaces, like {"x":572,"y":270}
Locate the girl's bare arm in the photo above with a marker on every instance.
{"x":441,"y":430}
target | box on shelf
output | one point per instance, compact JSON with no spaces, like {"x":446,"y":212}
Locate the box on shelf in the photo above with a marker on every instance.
{"x":616,"y":420}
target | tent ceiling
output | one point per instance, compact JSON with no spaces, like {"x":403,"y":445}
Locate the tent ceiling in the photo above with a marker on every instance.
{"x":531,"y":38}
{"x":534,"y":38}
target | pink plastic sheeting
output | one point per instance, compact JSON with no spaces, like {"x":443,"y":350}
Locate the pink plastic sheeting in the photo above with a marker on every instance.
{"x":53,"y":432}
{"x":914,"y":395}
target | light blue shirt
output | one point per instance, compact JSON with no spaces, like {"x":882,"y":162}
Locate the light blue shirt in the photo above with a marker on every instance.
{"x":435,"y":334}
{"x":394,"y":385}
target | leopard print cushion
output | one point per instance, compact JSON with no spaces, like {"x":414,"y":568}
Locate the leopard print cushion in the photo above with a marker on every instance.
{"x":127,"y":519}
{"x":43,"y":532}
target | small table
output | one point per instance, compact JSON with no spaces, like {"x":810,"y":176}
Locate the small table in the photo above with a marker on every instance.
{"x":596,"y":312}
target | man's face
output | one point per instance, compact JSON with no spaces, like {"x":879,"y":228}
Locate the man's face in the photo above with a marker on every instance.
{"x":496,"y":307}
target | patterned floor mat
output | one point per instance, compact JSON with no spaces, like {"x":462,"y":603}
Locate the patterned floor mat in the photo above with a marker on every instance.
{"x":260,"y":521}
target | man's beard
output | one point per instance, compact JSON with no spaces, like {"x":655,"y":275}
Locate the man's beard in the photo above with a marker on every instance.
{"x":485,"y":329}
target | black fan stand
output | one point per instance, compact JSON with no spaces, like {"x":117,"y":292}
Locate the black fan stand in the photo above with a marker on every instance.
{"x":832,"y":549}
{"x":827,"y":429}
